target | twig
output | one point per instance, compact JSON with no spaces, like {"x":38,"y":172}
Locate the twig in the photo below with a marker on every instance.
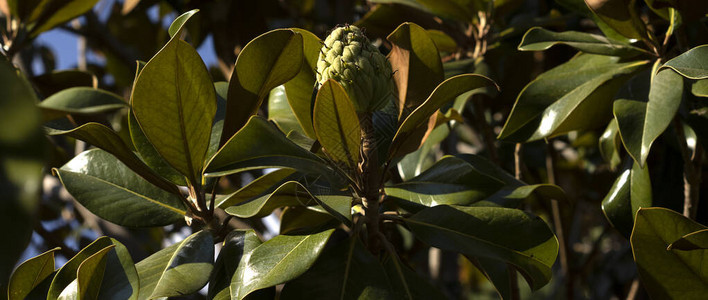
{"x":557,"y":221}
{"x":633,"y":289}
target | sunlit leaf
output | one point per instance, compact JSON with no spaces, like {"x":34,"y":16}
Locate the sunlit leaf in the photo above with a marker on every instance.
{"x":337,"y":124}
{"x":631,"y":190}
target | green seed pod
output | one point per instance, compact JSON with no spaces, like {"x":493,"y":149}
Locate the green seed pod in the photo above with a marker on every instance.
{"x":350,"y":59}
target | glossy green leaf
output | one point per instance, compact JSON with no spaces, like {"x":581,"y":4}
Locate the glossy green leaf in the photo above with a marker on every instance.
{"x":299,"y":90}
{"x":640,"y":123}
{"x":692,"y":64}
{"x":88,"y":277}
{"x":109,"y":189}
{"x":504,"y":234}
{"x":668,"y":274}
{"x":259,"y":186}
{"x":82,"y":100}
{"x":610,"y":144}
{"x":443,"y":93}
{"x":631,"y":190}
{"x":407,"y":284}
{"x":174,"y":102}
{"x":222,"y":90}
{"x":337,"y":124}
{"x":180,"y":269}
{"x":575,"y":95}
{"x":29,"y":274}
{"x":22,"y":155}
{"x":266,"y":62}
{"x":621,"y":15}
{"x":234,"y":254}
{"x":279,"y":260}
{"x":67,"y":273}
{"x":418,"y":67}
{"x":346,"y":271}
{"x":497,"y":272}
{"x":292,"y":193}
{"x":449,"y":181}
{"x":697,"y":240}
{"x":537,"y":39}
{"x":105,"y":138}
{"x":120,"y":280}
{"x":51,"y":13}
{"x":260,"y":145}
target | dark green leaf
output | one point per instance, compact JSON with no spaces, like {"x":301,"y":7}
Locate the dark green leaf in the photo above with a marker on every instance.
{"x":297,"y":220}
{"x":449,"y":181}
{"x":631,"y":190}
{"x":693,"y":241}
{"x":260,"y":145}
{"x":668,"y":274}
{"x":621,"y":15}
{"x":406,"y":137}
{"x":443,"y":42}
{"x":449,"y":9}
{"x":692,"y":64}
{"x":700,"y":88}
{"x":337,"y":125}
{"x":50,"y":83}
{"x":81,"y":100}
{"x":611,"y":144}
{"x":345,"y":271}
{"x":259,"y":186}
{"x":29,"y":274}
{"x":406,"y":284}
{"x":416,"y":60}
{"x":150,"y":156}
{"x":280,"y":112}
{"x":234,"y":254}
{"x":537,"y":39}
{"x":266,"y":62}
{"x":279,"y":260}
{"x":174,"y":102}
{"x":640,"y":123}
{"x":513,"y":196}
{"x":22,"y":160}
{"x":105,"y":138}
{"x":180,"y":269}
{"x":504,"y":234}
{"x":575,"y":95}
{"x":108,"y":188}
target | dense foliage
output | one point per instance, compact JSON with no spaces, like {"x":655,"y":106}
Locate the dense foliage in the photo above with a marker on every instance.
{"x":440,"y":151}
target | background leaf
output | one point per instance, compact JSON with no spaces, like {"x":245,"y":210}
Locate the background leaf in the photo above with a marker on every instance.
{"x":537,"y":39}
{"x":621,"y":15}
{"x":575,"y":95}
{"x":51,"y":13}
{"x":504,"y":234}
{"x":81,"y":100}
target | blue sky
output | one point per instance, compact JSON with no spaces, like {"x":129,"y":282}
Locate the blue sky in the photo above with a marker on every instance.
{"x":64,"y":44}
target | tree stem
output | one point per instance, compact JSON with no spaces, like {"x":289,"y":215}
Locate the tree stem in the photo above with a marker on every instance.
{"x":558,"y":223}
{"x":370,"y":180}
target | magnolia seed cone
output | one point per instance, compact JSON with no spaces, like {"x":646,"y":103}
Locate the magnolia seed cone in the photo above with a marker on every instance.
{"x":350,"y":59}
